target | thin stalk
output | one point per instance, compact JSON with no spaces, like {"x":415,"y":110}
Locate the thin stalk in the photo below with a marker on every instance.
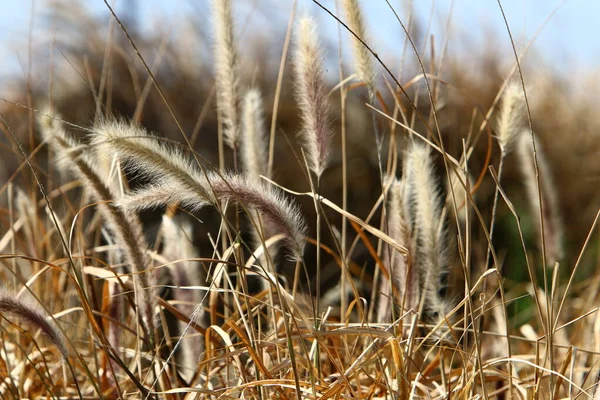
{"x":318,"y":288}
{"x":343,"y":94}
{"x":494,"y":207}
{"x":286,"y":46}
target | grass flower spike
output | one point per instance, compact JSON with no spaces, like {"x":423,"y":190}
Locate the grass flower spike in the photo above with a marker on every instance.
{"x":404,"y":278}
{"x":29,"y":311}
{"x":178,"y":181}
{"x":511,"y":118}
{"x":254,"y":138}
{"x":428,"y":227}
{"x":311,"y":94}
{"x":552,"y":221}
{"x":362,"y":57}
{"x":226,"y":70}
{"x":125,"y":225}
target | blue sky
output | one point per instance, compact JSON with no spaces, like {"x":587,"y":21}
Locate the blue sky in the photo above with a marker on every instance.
{"x":570,"y":41}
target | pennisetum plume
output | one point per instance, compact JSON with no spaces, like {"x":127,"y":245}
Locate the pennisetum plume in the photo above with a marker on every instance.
{"x":311,"y":94}
{"x":511,"y":117}
{"x":551,"y":214}
{"x":185,"y":272}
{"x":460,"y":182}
{"x":254,"y":159}
{"x":363,"y":60}
{"x":364,"y":68}
{"x":31,"y":312}
{"x":176,"y":180}
{"x":124,"y":225}
{"x":254,"y":138}
{"x":403,"y":277}
{"x":426,"y":205}
{"x":26,"y":210}
{"x":511,"y":121}
{"x":226,"y":70}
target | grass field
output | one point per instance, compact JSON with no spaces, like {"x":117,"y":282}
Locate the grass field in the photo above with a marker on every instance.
{"x":229,"y":215}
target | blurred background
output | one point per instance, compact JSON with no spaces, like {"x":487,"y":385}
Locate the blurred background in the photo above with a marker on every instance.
{"x":564,"y":30}
{"x":70,"y":53}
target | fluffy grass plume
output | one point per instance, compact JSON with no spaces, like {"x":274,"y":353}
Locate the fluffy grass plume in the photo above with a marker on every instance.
{"x":30,"y":312}
{"x":553,"y":231}
{"x":311,"y":94}
{"x":362,"y":57}
{"x":511,"y":118}
{"x":428,"y":227}
{"x":460,"y":181}
{"x":185,"y":272}
{"x":226,"y":70}
{"x":254,"y":153}
{"x":404,"y":277}
{"x":177,"y":180}
{"x":254,"y":136}
{"x":125,"y":225}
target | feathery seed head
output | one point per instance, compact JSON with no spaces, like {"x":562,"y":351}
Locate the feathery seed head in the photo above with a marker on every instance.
{"x":254,"y":139}
{"x":264,"y":200}
{"x":47,"y":121}
{"x":179,"y":181}
{"x":459,"y":176}
{"x":226,"y":70}
{"x":126,"y":227}
{"x":30,"y":311}
{"x":149,"y":157}
{"x":404,"y":277}
{"x":553,"y":229}
{"x":311,"y":94}
{"x":427,"y":206}
{"x":397,"y":210}
{"x":53,"y":130}
{"x":512,"y":117}
{"x":364,"y":63}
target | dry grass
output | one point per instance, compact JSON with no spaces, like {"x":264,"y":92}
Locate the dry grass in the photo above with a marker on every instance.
{"x":444,"y":250}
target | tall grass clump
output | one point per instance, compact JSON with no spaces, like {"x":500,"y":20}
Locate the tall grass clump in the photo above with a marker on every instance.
{"x":454,"y":256}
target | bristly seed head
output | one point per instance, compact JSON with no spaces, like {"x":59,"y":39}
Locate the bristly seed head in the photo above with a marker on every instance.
{"x":311,"y":94}
{"x":226,"y":70}
{"x":364,"y":63}
{"x":28,"y":310}
{"x":428,"y":227}
{"x":512,"y":117}
{"x":254,"y":138}
{"x":176,"y":180}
